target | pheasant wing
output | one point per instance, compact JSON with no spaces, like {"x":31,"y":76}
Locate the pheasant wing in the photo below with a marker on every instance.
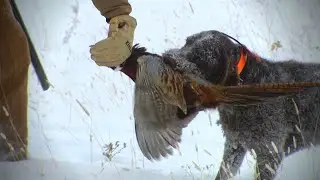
{"x":158,"y":95}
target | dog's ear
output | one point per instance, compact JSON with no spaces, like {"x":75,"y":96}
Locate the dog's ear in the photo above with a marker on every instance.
{"x":235,"y":51}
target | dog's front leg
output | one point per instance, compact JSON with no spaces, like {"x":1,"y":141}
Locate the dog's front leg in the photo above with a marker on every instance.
{"x":267,"y":163}
{"x":293,"y":143}
{"x":233,"y":156}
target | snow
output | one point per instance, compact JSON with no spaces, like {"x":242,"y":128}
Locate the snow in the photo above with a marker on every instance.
{"x":90,"y":106}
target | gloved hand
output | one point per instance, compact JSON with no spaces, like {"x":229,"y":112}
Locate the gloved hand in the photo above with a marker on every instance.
{"x":115,"y":49}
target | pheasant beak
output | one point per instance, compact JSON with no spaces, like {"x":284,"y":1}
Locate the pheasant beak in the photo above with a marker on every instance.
{"x":117,"y":68}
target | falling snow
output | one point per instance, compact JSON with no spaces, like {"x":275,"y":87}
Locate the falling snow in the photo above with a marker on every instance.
{"x":90,"y":107}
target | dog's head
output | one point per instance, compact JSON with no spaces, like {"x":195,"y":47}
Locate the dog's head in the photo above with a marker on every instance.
{"x":214,"y":53}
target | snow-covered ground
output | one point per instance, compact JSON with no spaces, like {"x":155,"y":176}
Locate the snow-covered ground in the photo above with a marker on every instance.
{"x":89,"y":106}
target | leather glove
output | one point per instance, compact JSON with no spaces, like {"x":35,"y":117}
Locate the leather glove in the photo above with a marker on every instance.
{"x":115,"y":49}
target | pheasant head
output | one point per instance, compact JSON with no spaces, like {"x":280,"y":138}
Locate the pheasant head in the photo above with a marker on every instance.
{"x":130,"y":65}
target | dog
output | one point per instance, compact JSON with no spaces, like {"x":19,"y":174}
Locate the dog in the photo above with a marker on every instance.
{"x":270,"y":130}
